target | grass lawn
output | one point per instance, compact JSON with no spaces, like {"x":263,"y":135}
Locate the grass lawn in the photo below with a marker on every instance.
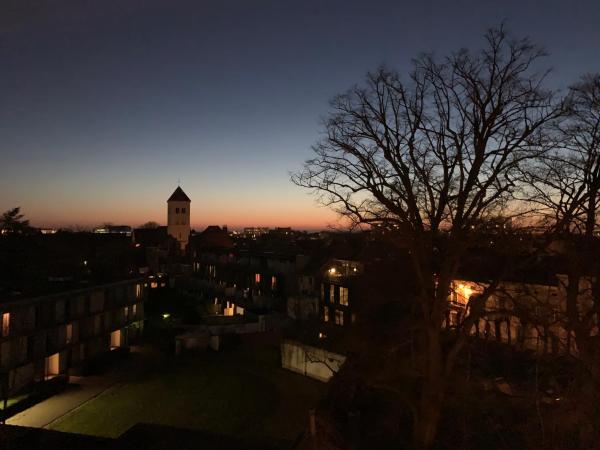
{"x":242,"y":392}
{"x":13,"y":400}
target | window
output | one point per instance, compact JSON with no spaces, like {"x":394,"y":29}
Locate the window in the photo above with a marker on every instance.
{"x":332,"y":293}
{"x":138,"y":291}
{"x":325,"y":314}
{"x":257,"y":278}
{"x":339,"y":317}
{"x":134,"y":310}
{"x":176,"y":210}
{"x":322,"y":292}
{"x":5,"y":324}
{"x":182,"y":210}
{"x":69,"y":333}
{"x":273,"y":282}
{"x":343,"y":296}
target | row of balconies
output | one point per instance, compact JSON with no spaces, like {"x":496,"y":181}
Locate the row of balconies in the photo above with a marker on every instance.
{"x":18,"y":350}
{"x":53,"y":311}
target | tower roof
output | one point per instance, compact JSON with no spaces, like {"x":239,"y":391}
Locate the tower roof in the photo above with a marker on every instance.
{"x":179,"y":196}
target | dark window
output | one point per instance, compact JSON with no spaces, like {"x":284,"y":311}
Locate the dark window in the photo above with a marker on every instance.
{"x":176,"y":210}
{"x":182,"y":210}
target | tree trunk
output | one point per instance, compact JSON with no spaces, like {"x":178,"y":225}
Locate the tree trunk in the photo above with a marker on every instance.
{"x":432,"y":395}
{"x":429,"y":413}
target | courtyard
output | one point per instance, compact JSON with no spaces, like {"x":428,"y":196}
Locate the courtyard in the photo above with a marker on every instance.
{"x":242,"y":392}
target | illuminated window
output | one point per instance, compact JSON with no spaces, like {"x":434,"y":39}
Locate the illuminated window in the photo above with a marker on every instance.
{"x":138,"y":291}
{"x":332,"y":293}
{"x":134,"y":310}
{"x":5,"y":324}
{"x":339,"y":317}
{"x":325,"y":314}
{"x":322,"y":291}
{"x":257,"y":278}
{"x":69,"y":333}
{"x":273,"y":282}
{"x":344,"y":296}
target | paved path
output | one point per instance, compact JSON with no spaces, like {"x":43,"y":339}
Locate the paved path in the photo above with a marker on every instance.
{"x":82,"y":389}
{"x":79,"y":391}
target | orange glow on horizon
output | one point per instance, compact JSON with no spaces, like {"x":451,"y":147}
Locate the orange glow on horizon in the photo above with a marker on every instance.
{"x":316,"y":219}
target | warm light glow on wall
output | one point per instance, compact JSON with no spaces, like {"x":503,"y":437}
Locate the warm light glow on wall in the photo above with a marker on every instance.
{"x":466,"y":291}
{"x":5,"y":324}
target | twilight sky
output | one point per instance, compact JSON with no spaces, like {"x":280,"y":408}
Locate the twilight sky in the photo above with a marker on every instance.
{"x":104,"y":105}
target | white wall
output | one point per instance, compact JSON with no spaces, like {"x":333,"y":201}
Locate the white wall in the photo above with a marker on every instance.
{"x":313,"y":362}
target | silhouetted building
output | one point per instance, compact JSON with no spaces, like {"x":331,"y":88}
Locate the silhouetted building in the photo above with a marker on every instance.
{"x":178,"y":217}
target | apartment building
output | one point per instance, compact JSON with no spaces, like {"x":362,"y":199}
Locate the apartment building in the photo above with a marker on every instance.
{"x":338,"y":290}
{"x":54,"y":335}
{"x":526,"y":315}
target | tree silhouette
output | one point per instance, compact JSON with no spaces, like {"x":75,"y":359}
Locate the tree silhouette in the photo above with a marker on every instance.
{"x":432,"y":158}
{"x":12,"y":221}
{"x":150,"y":225}
{"x":567,"y":188}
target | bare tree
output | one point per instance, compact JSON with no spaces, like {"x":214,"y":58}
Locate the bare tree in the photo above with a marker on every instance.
{"x":567,"y":187}
{"x":433,"y":157}
{"x":150,"y":225}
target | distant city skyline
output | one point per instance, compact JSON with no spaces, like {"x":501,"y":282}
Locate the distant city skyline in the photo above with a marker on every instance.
{"x":104,"y":106}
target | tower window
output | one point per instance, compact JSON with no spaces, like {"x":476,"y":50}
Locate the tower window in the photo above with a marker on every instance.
{"x":176,"y":210}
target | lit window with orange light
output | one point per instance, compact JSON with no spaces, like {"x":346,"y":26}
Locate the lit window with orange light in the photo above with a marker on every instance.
{"x":343,"y":296}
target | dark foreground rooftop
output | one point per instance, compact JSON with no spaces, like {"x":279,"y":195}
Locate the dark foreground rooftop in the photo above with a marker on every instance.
{"x":140,"y":436}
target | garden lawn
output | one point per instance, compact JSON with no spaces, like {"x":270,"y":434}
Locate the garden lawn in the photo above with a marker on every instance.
{"x":243,"y":393}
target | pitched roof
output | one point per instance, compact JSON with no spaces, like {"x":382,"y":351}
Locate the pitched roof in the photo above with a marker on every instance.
{"x":213,"y":237}
{"x":179,"y":196}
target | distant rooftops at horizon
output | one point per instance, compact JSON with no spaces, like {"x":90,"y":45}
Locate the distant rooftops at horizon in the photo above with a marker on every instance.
{"x":113,"y":229}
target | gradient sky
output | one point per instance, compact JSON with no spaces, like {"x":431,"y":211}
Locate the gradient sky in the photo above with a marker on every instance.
{"x":105,"y":104}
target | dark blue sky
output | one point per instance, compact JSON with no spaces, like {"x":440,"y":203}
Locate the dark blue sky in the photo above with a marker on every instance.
{"x":104,"y":105}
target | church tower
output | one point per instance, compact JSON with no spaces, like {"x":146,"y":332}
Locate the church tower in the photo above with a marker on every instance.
{"x":178,"y":217}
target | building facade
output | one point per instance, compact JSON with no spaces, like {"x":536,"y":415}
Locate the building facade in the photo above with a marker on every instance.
{"x":54,"y":335}
{"x":527,"y":316}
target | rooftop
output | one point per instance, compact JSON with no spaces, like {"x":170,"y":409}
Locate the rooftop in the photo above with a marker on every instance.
{"x":179,"y":196}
